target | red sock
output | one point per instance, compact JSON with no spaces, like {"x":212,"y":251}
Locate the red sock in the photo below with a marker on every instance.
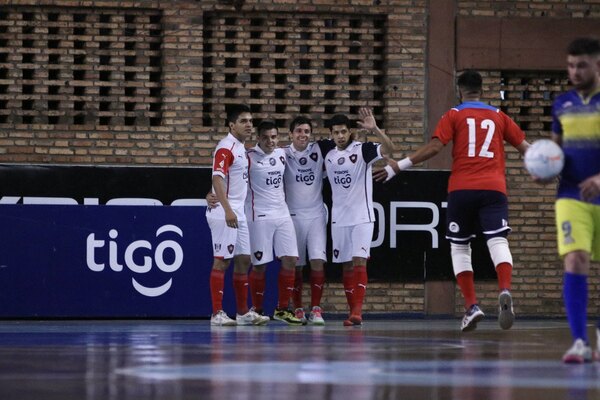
{"x":257,"y":288}
{"x":297,"y":294}
{"x":504,"y":272}
{"x":360,"y":277}
{"x":285,"y":284}
{"x":348,"y":279}
{"x":317,"y":282}
{"x":240,"y":288}
{"x":217,"y":283}
{"x":467,"y":287}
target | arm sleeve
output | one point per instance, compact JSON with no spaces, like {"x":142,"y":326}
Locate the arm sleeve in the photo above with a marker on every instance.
{"x":444,"y":130}
{"x":325,"y":145}
{"x":371,"y":152}
{"x":556,"y":126}
{"x":222,"y":162}
{"x":513,"y":133}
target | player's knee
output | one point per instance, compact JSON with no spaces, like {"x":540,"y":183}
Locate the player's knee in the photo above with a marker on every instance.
{"x":499,"y":251}
{"x":461,"y":257}
{"x":577,"y":262}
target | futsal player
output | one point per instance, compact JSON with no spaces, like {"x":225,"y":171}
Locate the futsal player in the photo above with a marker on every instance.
{"x":304,"y":197}
{"x":228,"y":225}
{"x":349,"y":170}
{"x":477,"y":201}
{"x":270,"y":224}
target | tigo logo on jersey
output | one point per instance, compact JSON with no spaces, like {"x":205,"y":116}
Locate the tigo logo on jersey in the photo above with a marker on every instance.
{"x":308,"y":179}
{"x":345,"y":180}
{"x":274,"y":180}
{"x":132,"y":253}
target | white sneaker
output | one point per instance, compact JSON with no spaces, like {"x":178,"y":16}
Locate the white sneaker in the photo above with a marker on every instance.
{"x":578,"y":353}
{"x":506,"y":314}
{"x":471,"y":318}
{"x":221,"y":319}
{"x":251,"y":318}
{"x":299,"y":313}
{"x":315,"y":317}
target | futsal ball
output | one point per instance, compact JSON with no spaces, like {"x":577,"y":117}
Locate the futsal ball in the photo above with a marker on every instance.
{"x":544,"y":159}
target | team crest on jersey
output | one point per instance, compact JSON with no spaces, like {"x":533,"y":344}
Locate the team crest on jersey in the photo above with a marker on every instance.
{"x":353,"y":158}
{"x":272,"y":161}
{"x":314,"y":157}
{"x":341,"y":160}
{"x":303,"y":161}
{"x":282,"y":159}
{"x":258,"y":255}
{"x":230,"y":248}
{"x":336,"y":253}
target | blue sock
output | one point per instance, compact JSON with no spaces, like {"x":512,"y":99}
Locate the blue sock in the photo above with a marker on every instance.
{"x":575,"y":296}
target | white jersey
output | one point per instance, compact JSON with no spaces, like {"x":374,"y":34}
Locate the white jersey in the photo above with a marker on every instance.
{"x":230,"y":163}
{"x":304,"y":179}
{"x":266,"y":196}
{"x":350,"y":175}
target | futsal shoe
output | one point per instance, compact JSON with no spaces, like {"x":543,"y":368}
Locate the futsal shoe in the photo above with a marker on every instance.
{"x":506,"y":315}
{"x":286,"y":316}
{"x":251,"y":318}
{"x":315,"y":317}
{"x":221,"y":319}
{"x":579,"y":353}
{"x":353,"y":320}
{"x":471,"y":318}
{"x":299,"y":313}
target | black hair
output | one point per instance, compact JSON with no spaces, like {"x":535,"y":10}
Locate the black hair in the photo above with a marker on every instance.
{"x":584,"y":46}
{"x":300,"y":120}
{"x":470,"y":80}
{"x":234,"y":111}
{"x":339,"y":119}
{"x":265,"y":125}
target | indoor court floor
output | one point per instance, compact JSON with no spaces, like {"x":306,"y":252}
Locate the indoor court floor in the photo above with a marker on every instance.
{"x":383,"y":359}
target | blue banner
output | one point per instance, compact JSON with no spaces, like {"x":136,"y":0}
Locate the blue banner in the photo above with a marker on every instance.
{"x":109,"y":261}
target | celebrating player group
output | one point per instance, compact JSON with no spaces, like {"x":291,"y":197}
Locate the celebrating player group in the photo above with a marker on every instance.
{"x":268,"y":200}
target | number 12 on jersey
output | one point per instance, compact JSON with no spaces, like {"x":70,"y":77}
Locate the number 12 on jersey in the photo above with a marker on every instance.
{"x":487,"y":125}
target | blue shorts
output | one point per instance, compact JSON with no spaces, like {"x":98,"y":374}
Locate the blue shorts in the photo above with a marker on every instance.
{"x":476,"y":211}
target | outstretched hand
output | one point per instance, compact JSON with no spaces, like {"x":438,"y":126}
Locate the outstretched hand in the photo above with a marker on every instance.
{"x":382,"y":174}
{"x":367,"y":120}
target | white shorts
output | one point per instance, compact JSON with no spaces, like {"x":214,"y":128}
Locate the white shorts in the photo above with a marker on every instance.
{"x":272,"y":234}
{"x":311,"y":234}
{"x":351,"y":241}
{"x":229,"y":242}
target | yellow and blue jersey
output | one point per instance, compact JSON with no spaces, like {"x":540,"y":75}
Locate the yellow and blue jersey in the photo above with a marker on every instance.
{"x":577,"y":121}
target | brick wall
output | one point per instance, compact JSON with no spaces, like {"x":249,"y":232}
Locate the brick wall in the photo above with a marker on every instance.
{"x":146,"y":83}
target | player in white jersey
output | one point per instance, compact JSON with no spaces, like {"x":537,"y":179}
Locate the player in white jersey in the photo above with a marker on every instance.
{"x":350,"y":176}
{"x":228,"y":226}
{"x":304,"y":197}
{"x":269,"y":222}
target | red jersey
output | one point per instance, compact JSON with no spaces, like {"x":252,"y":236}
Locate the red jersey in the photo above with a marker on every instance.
{"x":478,"y":131}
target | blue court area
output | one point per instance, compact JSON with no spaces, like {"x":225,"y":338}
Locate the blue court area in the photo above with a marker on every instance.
{"x":384,"y":359}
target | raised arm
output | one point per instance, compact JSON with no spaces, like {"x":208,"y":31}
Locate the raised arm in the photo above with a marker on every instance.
{"x":367,"y":121}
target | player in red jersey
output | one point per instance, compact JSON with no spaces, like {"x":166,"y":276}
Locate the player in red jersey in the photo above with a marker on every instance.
{"x":476,"y":190}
